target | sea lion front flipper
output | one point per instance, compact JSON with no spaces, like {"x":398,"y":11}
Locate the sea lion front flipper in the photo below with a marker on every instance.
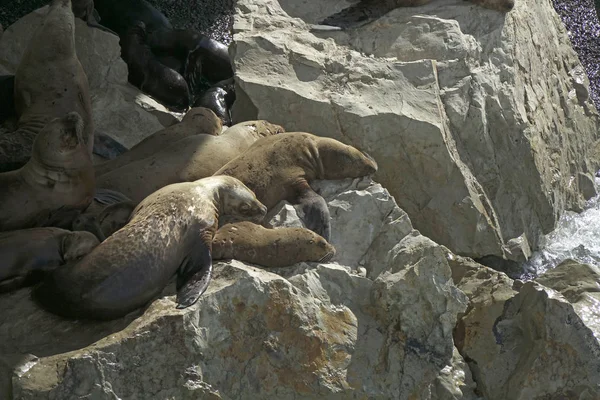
{"x":194,"y":275}
{"x":108,"y":196}
{"x":107,"y":147}
{"x":357,"y":15}
{"x":12,"y":284}
{"x":314,"y":212}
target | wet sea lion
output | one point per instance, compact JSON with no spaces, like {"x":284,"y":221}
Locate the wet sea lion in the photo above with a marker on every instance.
{"x":196,"y":120}
{"x":49,"y":82}
{"x":120,"y":15}
{"x":273,"y":248}
{"x":186,"y":160}
{"x":281,"y":167}
{"x":28,"y":250}
{"x":366,"y":11}
{"x":219,"y":98}
{"x":58,"y":177}
{"x":169,"y":233}
{"x":149,"y":74}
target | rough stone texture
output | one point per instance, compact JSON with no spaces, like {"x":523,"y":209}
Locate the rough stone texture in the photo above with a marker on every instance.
{"x":302,"y":332}
{"x":114,"y":111}
{"x":480,"y":121}
{"x":524,"y":341}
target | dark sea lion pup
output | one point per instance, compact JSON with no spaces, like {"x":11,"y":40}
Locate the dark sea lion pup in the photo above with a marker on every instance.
{"x":58,"y":178}
{"x":366,"y":11}
{"x":272,"y":248}
{"x":169,"y":233}
{"x":281,"y":167}
{"x":26,"y":251}
{"x":149,"y":74}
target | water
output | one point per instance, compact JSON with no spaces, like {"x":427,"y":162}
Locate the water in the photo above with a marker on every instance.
{"x":576,"y":237}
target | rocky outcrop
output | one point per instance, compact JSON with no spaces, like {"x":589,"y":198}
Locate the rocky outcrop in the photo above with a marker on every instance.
{"x":480,"y":121}
{"x":119,"y":109}
{"x":527,"y":341}
{"x":376,"y":322}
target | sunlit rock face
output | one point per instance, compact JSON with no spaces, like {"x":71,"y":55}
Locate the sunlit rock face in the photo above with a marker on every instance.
{"x":480,"y":121}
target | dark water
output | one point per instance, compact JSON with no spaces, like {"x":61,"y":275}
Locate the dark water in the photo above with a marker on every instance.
{"x":212,"y":17}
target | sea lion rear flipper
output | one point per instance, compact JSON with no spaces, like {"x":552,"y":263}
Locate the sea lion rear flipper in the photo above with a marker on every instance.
{"x":107,"y":147}
{"x":356,"y":15}
{"x":108,"y":196}
{"x":194,"y":275}
{"x":314,"y":213}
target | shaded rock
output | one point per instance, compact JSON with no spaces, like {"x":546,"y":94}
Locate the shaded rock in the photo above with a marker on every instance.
{"x":100,"y":55}
{"x":447,"y":97}
{"x":455,"y":381}
{"x":524,"y":341}
{"x":305,"y":331}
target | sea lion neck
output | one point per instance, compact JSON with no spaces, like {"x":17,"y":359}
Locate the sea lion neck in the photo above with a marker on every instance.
{"x":37,"y":174}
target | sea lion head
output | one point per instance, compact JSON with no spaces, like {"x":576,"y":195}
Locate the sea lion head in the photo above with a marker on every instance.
{"x":204,"y":120}
{"x":265,"y":128}
{"x":61,"y":142}
{"x":341,"y":161}
{"x":75,"y":245}
{"x":314,"y":245}
{"x":238,"y":202}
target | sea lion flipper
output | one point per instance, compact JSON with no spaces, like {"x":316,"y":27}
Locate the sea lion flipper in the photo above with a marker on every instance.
{"x":193,"y":276}
{"x":356,"y":15}
{"x":314,"y":213}
{"x":107,"y":147}
{"x":108,"y":196}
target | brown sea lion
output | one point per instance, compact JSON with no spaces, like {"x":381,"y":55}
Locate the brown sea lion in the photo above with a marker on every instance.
{"x":186,"y":160}
{"x":58,"y":177}
{"x":150,"y":75}
{"x":49,"y":83}
{"x":366,"y":11}
{"x":273,"y":248}
{"x":169,"y":233}
{"x":28,"y":250}
{"x":281,"y":167}
{"x":105,"y":221}
{"x":196,"y":120}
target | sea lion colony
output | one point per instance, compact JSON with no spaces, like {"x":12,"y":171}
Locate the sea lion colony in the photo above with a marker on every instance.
{"x":99,"y":240}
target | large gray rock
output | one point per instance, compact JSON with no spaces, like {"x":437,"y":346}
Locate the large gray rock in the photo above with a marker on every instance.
{"x":480,"y":121}
{"x":303,"y":332}
{"x":115,"y":109}
{"x":525,"y":341}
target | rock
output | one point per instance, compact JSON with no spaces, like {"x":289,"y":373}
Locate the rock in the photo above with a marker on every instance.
{"x":449,"y":98}
{"x":305,"y":331}
{"x":526,"y":341}
{"x":100,"y":55}
{"x":455,"y":381}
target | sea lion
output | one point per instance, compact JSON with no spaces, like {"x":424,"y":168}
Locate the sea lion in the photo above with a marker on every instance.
{"x":186,"y":160}
{"x":272,"y":248}
{"x":106,"y":221}
{"x":120,"y":15}
{"x":49,"y":82}
{"x":196,"y":120}
{"x":58,"y":177}
{"x":219,"y":98}
{"x":204,"y":57}
{"x":366,"y":11}
{"x":84,"y":9}
{"x":28,"y":250}
{"x":170,"y":232}
{"x":281,"y":167}
{"x":149,"y":74}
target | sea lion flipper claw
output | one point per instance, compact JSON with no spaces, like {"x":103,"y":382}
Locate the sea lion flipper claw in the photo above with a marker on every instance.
{"x":193,"y":276}
{"x":107,"y":147}
{"x":314,"y":213}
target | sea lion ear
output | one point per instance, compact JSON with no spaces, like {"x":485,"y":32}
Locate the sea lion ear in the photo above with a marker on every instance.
{"x":194,"y":275}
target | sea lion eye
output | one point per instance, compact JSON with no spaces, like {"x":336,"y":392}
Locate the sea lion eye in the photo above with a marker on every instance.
{"x":311,"y":241}
{"x":245,"y":208}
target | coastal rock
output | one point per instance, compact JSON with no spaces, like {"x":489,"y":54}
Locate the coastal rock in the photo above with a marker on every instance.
{"x":306,"y":331}
{"x":114,"y":112}
{"x":480,"y":121}
{"x":525,"y":341}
